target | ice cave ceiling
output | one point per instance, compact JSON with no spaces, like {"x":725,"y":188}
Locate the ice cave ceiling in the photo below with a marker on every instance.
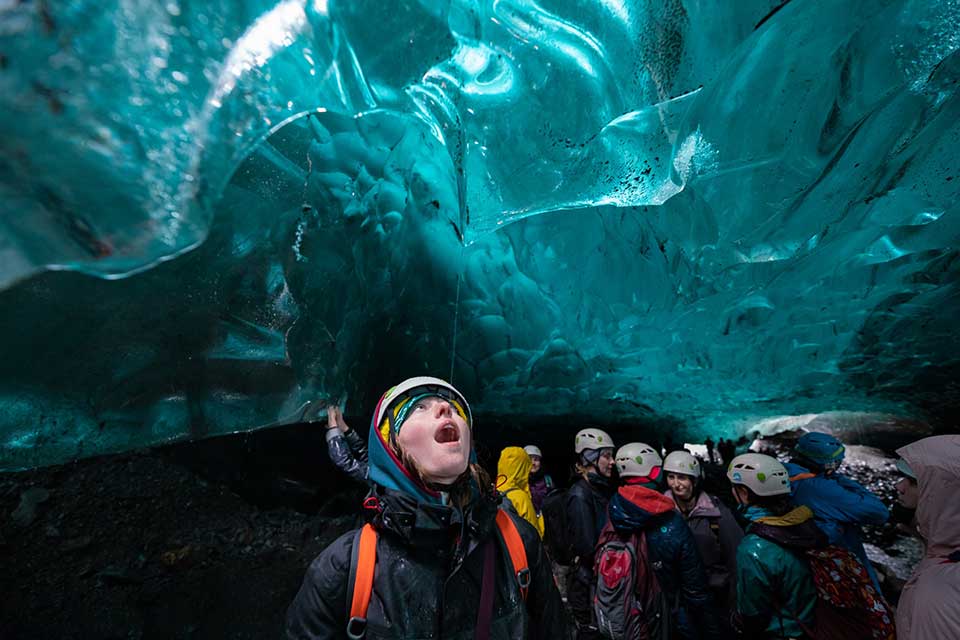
{"x":213,"y":214}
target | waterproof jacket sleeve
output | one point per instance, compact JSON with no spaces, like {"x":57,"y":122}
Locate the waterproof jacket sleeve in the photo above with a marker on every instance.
{"x":844,"y":500}
{"x":523,"y":504}
{"x":357,"y":444}
{"x":319,"y":609}
{"x":548,"y":617}
{"x":351,"y":461}
{"x":755,"y":590}
{"x":693,"y":582}
{"x":730,"y":536}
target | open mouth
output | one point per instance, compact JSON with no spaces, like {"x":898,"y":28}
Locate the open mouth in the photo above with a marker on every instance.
{"x":447,"y":433}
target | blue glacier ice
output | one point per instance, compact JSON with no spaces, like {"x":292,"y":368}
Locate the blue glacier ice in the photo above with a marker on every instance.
{"x":214,"y":216}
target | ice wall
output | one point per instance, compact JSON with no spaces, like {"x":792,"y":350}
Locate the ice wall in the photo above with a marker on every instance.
{"x":748,"y":210}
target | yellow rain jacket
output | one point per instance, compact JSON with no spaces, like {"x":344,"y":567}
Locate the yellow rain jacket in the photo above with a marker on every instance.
{"x":513,"y":480}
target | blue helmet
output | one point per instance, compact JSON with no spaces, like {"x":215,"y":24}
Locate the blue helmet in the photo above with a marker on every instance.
{"x":820,"y":448}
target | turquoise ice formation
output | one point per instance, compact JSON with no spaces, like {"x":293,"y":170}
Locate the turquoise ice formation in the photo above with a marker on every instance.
{"x":214,"y":216}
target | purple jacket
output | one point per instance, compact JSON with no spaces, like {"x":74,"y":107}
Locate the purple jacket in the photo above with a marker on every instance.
{"x":540,"y":485}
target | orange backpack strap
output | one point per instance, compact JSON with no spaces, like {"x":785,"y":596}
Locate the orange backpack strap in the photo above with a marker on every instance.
{"x":518,"y":553}
{"x":802,"y":476}
{"x":362,"y":564}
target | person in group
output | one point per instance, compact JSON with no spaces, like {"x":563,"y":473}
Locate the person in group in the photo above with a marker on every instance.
{"x":540,"y":482}
{"x":929,"y":607}
{"x":727,"y":450}
{"x":586,"y":508}
{"x":776,"y":595}
{"x":513,"y":477}
{"x":444,"y":564}
{"x":345,"y":446}
{"x":639,"y":507}
{"x":714,"y":527}
{"x":840,"y":505}
{"x":709,"y":444}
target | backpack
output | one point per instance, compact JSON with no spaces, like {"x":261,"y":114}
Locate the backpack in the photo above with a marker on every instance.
{"x":363,"y":561}
{"x":556,"y":537}
{"x":848,"y":605}
{"x":628,"y":603}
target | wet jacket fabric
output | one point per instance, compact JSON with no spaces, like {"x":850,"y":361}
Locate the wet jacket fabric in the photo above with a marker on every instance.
{"x":428,"y":578}
{"x":348,"y":452}
{"x":718,"y":548}
{"x":513,"y":475}
{"x":774,"y":585}
{"x":929,"y":606}
{"x":586,"y":506}
{"x":540,"y":485}
{"x":840,"y":506}
{"x":673,"y":555}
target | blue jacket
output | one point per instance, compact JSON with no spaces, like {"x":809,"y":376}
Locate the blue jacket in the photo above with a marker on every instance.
{"x":673,"y":554}
{"x":840,"y":506}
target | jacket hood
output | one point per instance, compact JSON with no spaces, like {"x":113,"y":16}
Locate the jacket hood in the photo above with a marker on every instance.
{"x":936,"y":463}
{"x":386,"y":469}
{"x":795,"y":529}
{"x":637,"y":507}
{"x":513,"y":469}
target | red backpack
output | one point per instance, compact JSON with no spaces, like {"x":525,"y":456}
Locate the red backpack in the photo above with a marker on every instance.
{"x":848,"y":605}
{"x":628,"y":603}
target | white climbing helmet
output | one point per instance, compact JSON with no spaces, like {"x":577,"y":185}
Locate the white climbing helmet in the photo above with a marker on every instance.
{"x":421,"y":384}
{"x":533,"y":450}
{"x":682,"y":462}
{"x":763,"y":475}
{"x":592,"y":439}
{"x":637,"y":459}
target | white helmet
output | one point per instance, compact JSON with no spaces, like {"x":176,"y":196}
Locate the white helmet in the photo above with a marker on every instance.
{"x":533,"y":450}
{"x":592,"y":439}
{"x":763,"y":475}
{"x":637,"y":459}
{"x":422,"y":384}
{"x":682,"y":462}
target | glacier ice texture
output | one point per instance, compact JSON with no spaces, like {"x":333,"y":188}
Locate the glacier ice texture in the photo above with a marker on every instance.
{"x":214,"y":216}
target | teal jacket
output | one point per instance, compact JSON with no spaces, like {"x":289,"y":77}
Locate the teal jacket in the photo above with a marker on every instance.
{"x":774,"y":585}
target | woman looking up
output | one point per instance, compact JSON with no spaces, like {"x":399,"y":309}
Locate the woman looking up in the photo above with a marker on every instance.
{"x":444,"y":564}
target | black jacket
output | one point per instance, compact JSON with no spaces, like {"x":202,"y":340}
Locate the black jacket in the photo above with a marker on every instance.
{"x":349,"y":452}
{"x":586,"y":514}
{"x":428,"y":579}
{"x":586,"y":509}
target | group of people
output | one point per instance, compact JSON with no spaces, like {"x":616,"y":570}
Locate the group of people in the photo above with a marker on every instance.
{"x":449,"y":552}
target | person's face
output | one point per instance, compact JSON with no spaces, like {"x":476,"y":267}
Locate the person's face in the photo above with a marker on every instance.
{"x":908,"y":493}
{"x":534,"y":464}
{"x":437,"y":439}
{"x":681,"y":485}
{"x":740,"y":494}
{"x":605,"y":463}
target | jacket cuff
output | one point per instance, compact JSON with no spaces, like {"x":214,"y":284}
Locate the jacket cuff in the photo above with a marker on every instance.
{"x":333,"y":434}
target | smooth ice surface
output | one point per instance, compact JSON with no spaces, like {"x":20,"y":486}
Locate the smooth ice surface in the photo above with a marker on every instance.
{"x":748,"y":211}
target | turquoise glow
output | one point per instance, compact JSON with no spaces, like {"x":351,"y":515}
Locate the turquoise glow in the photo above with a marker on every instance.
{"x":213,"y":214}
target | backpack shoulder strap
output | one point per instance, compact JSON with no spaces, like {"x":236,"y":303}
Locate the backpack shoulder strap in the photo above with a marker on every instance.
{"x":362,"y":563}
{"x":802,"y":476}
{"x":518,"y":553}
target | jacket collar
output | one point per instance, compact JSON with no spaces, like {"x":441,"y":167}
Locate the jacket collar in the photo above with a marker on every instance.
{"x":703,"y":508}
